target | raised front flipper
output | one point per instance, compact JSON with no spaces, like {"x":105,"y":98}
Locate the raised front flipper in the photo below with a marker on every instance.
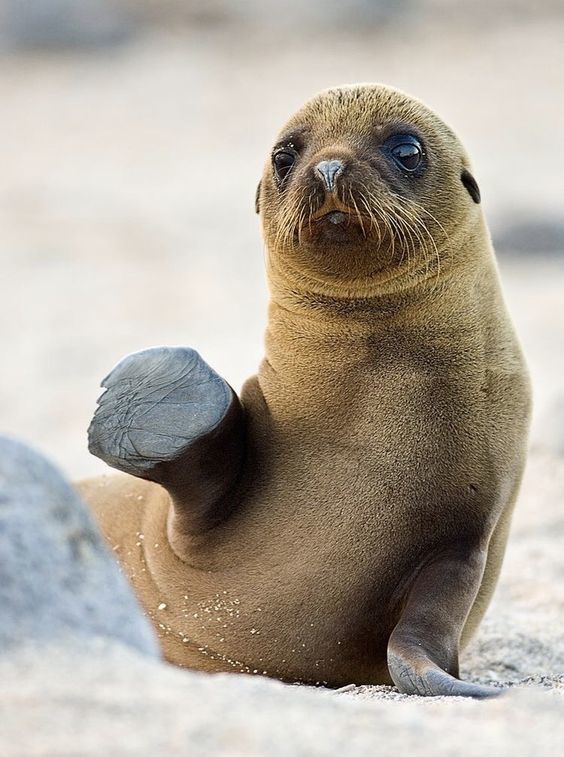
{"x":167,"y":417}
{"x":423,"y":648}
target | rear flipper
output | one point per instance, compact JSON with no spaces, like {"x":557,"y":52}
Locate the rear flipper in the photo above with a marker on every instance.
{"x":167,"y":417}
{"x":423,"y":648}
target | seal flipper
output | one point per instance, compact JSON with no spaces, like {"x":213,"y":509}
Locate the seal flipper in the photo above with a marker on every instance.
{"x":423,"y":647}
{"x":167,"y":417}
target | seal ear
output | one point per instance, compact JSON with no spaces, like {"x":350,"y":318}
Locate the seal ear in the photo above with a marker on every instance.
{"x":257,"y":198}
{"x":471,"y":185}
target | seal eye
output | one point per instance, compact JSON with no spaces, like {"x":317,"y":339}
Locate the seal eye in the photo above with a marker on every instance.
{"x":283,"y":161}
{"x":406,"y":151}
{"x":407,"y":155}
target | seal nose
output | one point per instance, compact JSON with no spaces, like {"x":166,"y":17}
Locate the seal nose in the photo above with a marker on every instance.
{"x":329,"y":170}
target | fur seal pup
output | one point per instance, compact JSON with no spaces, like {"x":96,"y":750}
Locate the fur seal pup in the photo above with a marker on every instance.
{"x":345,"y":519}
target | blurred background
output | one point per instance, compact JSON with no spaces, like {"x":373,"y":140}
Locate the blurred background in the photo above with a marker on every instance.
{"x":132,"y":137}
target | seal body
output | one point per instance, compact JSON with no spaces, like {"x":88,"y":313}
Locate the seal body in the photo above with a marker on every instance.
{"x":383,"y":438}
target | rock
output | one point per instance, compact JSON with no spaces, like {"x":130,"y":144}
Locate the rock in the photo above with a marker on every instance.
{"x":58,"y":581}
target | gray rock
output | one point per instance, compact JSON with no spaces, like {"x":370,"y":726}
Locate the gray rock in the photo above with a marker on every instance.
{"x":57,"y":579}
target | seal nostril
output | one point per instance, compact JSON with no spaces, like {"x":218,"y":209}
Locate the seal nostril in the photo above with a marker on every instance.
{"x":329,"y":170}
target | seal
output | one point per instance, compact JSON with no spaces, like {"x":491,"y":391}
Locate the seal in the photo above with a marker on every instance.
{"x":345,"y":519}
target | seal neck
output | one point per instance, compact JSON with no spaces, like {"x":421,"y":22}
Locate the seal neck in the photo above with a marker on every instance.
{"x":317,"y":337}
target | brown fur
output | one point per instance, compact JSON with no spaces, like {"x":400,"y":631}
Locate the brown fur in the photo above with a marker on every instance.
{"x":386,"y":426}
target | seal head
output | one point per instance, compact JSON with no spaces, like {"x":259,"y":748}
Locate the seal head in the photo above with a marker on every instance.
{"x":363,"y":190}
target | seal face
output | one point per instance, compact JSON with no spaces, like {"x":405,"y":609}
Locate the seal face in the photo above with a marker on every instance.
{"x":345,"y":520}
{"x":356,"y":191}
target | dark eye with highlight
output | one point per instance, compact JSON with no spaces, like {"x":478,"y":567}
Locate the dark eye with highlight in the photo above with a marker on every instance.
{"x":406,"y":151}
{"x":283,"y":161}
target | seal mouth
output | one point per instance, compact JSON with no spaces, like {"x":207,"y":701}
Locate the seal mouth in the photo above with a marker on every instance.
{"x":337,"y":226}
{"x":335,"y":213}
{"x":337,"y":222}
{"x":336,"y":217}
{"x":340,"y":218}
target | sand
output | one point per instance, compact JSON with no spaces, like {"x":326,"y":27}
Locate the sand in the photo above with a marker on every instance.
{"x":98,"y":701}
